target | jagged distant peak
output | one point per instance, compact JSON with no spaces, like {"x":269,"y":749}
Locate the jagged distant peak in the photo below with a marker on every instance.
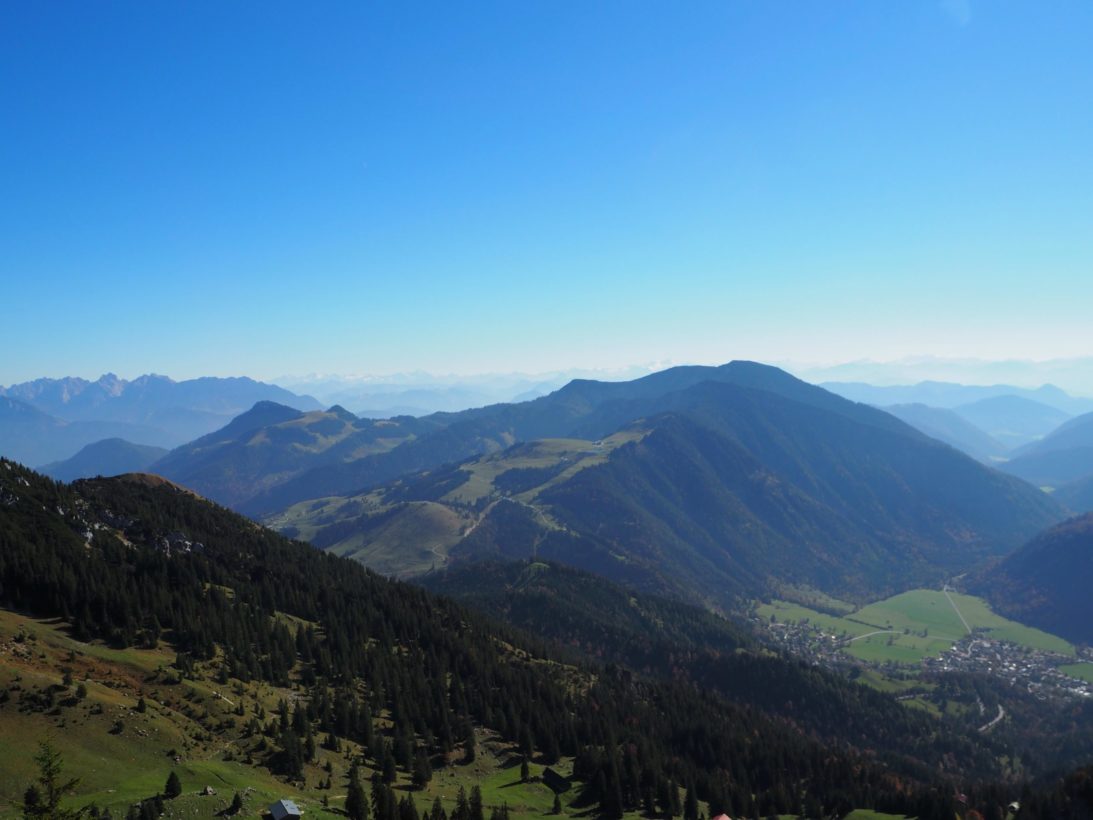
{"x":112,"y":384}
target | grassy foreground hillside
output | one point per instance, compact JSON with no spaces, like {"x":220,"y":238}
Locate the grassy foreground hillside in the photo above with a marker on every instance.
{"x":123,"y":753}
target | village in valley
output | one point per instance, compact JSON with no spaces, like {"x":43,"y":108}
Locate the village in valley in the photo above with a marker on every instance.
{"x":1052,"y":669}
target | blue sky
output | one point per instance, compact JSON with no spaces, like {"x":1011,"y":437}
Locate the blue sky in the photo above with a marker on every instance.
{"x":268,"y":188}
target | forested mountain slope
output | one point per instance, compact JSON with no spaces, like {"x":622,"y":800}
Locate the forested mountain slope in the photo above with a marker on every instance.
{"x":1047,"y":582}
{"x":667,"y":639}
{"x":136,"y":561}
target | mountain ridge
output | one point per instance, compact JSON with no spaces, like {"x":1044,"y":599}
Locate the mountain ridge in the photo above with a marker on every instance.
{"x":723,"y":485}
{"x":583,"y":408}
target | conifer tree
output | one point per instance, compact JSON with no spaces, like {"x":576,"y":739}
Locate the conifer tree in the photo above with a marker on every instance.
{"x":475,"y":806}
{"x":690,"y":805}
{"x":173,"y":787}
{"x":43,"y":801}
{"x":356,"y":805}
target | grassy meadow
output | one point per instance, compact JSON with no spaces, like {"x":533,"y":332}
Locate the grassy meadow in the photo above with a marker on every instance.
{"x":122,"y":755}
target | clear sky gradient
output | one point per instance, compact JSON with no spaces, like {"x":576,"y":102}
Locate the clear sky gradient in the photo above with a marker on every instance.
{"x":271,"y":188}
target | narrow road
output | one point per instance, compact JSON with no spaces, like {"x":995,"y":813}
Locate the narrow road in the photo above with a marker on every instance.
{"x":986,"y":727}
{"x":871,"y":634}
{"x":952,"y":603}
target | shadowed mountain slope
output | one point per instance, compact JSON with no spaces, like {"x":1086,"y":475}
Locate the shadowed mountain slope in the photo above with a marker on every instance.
{"x":1047,"y":582}
{"x":271,"y":443}
{"x":112,"y":456}
{"x":1077,"y":495}
{"x":949,"y":427}
{"x":1063,"y":457}
{"x":668,"y":639}
{"x":33,"y":437}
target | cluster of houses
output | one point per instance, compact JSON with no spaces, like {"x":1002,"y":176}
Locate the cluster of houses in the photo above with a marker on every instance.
{"x":1037,"y":670}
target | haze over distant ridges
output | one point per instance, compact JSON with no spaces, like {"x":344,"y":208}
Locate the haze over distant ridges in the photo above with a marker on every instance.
{"x":149,"y":410}
{"x":954,"y":394}
{"x":950,"y":427}
{"x":1062,"y":457}
{"x":109,"y":457}
{"x":1077,"y":495}
{"x":1012,"y":420}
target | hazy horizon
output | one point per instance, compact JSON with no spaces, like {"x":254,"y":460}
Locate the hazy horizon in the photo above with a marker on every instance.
{"x":195,"y":189}
{"x":1074,"y":376}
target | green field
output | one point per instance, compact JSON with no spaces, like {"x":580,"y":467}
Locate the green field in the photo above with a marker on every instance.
{"x":814,"y":599}
{"x":915,"y":625}
{"x":787,"y":612}
{"x":1083,"y":671}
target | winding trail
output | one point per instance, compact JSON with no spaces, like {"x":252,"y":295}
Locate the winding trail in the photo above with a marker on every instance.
{"x":986,"y":727}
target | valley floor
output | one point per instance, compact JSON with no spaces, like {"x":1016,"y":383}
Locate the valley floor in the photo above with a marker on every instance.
{"x":931,"y":630}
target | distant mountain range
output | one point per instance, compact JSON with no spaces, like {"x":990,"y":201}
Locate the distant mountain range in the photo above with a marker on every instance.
{"x":151,"y":410}
{"x":691,"y":480}
{"x":1014,"y":421}
{"x":1047,"y":582}
{"x":951,"y":395}
{"x":1073,"y":375}
{"x":33,"y":437}
{"x":419,"y":394}
{"x":1033,"y":434}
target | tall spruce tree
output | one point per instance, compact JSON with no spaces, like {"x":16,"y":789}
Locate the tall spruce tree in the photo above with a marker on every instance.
{"x":43,"y":801}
